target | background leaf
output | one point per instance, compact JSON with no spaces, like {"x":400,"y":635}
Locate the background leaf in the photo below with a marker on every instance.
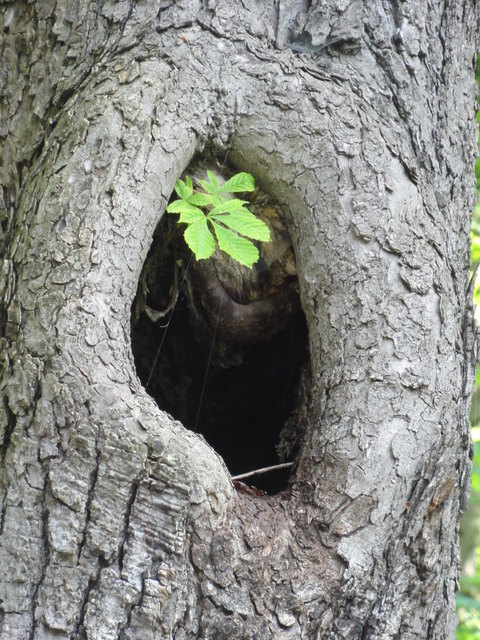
{"x":475,"y":249}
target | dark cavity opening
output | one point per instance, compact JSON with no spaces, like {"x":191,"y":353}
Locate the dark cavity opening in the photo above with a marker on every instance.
{"x":227,"y":355}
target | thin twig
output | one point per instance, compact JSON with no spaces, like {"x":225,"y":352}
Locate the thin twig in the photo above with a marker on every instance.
{"x":257,"y":472}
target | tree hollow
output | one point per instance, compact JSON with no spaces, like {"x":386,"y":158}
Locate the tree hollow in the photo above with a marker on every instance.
{"x":223,"y":350}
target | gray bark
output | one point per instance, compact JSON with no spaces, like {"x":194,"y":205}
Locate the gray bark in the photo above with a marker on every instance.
{"x":115,"y":521}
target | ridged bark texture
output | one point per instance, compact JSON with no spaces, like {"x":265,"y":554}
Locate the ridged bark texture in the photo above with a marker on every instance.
{"x":115,"y":521}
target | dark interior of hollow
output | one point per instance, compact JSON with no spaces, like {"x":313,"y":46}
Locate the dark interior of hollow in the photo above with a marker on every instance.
{"x":240,"y":409}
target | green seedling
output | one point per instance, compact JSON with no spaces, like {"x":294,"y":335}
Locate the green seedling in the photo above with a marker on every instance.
{"x":211,"y":212}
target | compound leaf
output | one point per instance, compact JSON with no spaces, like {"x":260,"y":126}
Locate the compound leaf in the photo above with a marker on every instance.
{"x":232,"y":222}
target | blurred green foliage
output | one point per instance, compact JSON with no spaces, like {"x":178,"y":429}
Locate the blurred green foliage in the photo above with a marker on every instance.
{"x":469,"y":623}
{"x":468,"y":598}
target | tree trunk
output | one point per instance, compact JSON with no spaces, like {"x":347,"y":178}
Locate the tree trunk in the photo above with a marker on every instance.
{"x":358,"y":118}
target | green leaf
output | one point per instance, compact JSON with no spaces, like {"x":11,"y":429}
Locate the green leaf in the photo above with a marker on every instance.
{"x":476,"y":221}
{"x":245,"y":223}
{"x":213,"y":181}
{"x":181,"y":206}
{"x":227,"y":206}
{"x":240,"y":249}
{"x":184,"y":190}
{"x":475,"y":249}
{"x":477,"y":169}
{"x":206,"y":186}
{"x":189,"y":217}
{"x":469,"y":581}
{"x":218,"y":198}
{"x":203,"y":199}
{"x":467,"y":602}
{"x":240,"y":182}
{"x":200,"y":239}
{"x":232,"y":222}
